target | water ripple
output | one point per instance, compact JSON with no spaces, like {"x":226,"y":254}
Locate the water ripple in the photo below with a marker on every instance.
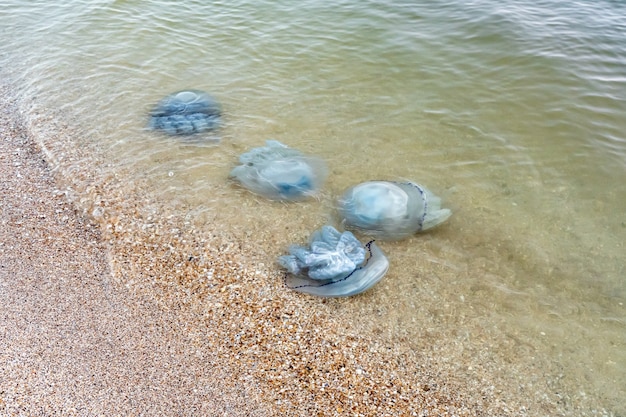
{"x":514,"y":111}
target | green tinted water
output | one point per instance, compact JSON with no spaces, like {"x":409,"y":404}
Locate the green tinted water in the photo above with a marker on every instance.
{"x":513,"y":113}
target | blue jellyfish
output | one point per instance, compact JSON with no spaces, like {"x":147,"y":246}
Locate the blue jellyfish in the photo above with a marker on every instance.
{"x":278,"y":172}
{"x":334,"y":265}
{"x":186,"y":112}
{"x":391,"y":210}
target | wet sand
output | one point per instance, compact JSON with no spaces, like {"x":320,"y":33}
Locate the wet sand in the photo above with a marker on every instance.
{"x":72,"y":343}
{"x":109,"y":317}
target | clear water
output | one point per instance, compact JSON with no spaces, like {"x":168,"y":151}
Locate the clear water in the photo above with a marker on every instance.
{"x":514,"y":112}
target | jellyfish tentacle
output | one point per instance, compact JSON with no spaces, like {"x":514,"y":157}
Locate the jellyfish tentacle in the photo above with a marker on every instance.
{"x":186,"y":112}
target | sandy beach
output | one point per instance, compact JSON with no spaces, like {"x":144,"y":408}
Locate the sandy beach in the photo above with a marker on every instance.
{"x":92,"y":323}
{"x":70,"y":342}
{"x":73,"y":343}
{"x":140,"y":276}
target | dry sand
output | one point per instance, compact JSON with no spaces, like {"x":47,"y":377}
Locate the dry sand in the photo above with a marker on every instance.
{"x":94,"y":321}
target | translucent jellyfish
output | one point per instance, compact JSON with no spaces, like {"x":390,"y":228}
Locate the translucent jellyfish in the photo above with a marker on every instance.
{"x":278,"y":172}
{"x":186,"y":112}
{"x":391,"y":210}
{"x":334,"y":265}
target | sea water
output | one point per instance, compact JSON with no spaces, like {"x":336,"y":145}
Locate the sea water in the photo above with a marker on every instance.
{"x":514,"y":112}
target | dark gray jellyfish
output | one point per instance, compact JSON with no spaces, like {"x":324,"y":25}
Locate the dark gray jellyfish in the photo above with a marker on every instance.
{"x":391,"y":210}
{"x":186,"y":112}
{"x":334,"y":265}
{"x":278,"y":172}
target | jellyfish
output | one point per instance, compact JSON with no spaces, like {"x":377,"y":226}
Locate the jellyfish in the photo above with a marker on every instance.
{"x":334,"y":264}
{"x":186,"y":112}
{"x":278,"y":172}
{"x":391,"y":210}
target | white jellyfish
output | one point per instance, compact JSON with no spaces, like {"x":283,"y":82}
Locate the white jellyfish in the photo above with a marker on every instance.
{"x":278,"y":172}
{"x":391,"y":210}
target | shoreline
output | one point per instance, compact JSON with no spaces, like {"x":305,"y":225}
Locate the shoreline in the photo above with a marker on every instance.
{"x":72,"y":343}
{"x":149,"y":331}
{"x":76,"y":345}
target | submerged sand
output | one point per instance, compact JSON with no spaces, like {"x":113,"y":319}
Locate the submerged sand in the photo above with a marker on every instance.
{"x":115,"y":315}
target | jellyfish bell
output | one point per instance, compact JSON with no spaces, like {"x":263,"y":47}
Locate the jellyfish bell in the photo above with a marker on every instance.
{"x":186,"y":112}
{"x":289,"y":178}
{"x":391,"y":210}
{"x":358,"y":281}
{"x":278,"y":172}
{"x":334,"y":265}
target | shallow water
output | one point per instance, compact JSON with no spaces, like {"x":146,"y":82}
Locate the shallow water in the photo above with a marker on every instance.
{"x":513,"y":113}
